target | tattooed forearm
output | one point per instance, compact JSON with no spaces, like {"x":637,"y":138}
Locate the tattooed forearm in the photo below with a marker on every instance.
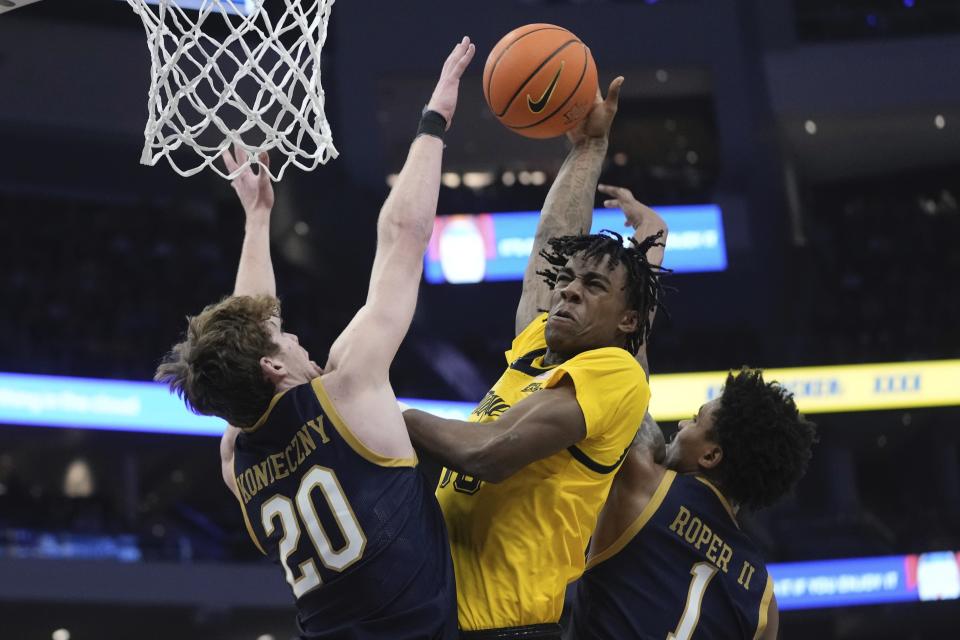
{"x":567,"y":210}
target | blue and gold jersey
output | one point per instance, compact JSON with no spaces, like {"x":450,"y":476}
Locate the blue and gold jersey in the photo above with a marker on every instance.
{"x":684,"y":570}
{"x":360,"y":536}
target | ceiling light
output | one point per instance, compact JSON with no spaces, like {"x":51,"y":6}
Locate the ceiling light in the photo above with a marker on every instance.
{"x":451,"y":180}
{"x":477,"y":179}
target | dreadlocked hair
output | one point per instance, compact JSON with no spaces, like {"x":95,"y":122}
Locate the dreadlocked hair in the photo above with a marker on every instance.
{"x":644,"y":290}
{"x":766,"y":442}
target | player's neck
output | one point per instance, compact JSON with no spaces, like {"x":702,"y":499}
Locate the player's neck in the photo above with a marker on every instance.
{"x":552,"y":358}
{"x":733,"y":505}
{"x":288,"y":382}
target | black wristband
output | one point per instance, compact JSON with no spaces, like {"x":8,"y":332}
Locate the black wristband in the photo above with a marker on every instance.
{"x":432,"y":124}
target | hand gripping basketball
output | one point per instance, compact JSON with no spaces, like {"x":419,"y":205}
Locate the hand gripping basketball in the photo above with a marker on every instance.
{"x":444,"y":98}
{"x":598,"y":122}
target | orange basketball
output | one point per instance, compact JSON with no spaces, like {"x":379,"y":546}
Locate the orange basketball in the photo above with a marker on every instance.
{"x":540,"y":80}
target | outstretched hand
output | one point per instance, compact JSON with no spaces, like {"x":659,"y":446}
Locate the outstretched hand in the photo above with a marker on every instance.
{"x":255,"y":190}
{"x":444,"y":98}
{"x":645,"y":220}
{"x":598,"y":122}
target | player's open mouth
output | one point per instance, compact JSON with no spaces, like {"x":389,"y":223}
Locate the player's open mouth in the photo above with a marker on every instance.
{"x":560,"y":314}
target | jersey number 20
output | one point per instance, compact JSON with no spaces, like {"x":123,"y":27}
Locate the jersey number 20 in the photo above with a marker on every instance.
{"x":283,"y":508}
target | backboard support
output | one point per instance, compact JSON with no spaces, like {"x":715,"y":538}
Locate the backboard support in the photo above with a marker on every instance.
{"x":10,"y":5}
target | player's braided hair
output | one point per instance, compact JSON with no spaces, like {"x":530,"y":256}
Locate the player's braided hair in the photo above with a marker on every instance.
{"x":644,"y":291}
{"x":766,"y":442}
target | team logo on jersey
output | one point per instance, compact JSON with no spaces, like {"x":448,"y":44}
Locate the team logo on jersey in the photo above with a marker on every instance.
{"x":533,"y":386}
{"x":492,"y":405}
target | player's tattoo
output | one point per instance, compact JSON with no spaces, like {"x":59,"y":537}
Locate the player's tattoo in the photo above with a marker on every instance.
{"x":650,"y":438}
{"x":568,"y":210}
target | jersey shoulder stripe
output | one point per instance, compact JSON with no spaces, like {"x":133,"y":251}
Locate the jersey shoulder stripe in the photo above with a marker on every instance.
{"x":665,"y":483}
{"x":350,"y":438}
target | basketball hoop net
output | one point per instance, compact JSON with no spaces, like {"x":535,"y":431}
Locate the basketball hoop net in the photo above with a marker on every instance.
{"x":227,"y":73}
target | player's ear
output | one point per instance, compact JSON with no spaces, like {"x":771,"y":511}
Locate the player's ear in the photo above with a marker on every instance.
{"x":273,"y":370}
{"x":629,"y":322}
{"x":711,"y":457}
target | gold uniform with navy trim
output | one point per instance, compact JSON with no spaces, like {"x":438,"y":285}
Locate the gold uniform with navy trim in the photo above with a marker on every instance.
{"x":517,"y":544}
{"x":359,"y":535}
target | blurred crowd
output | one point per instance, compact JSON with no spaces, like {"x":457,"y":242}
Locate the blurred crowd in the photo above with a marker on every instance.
{"x":876,"y":280}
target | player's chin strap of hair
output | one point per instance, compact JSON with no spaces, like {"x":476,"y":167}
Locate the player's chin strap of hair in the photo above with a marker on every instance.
{"x":432,"y":124}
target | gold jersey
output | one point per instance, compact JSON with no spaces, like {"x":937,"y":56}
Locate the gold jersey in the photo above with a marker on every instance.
{"x":517,"y":544}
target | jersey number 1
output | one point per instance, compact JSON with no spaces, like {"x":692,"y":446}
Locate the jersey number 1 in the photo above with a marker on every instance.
{"x":702,"y":573}
{"x":282,"y":507}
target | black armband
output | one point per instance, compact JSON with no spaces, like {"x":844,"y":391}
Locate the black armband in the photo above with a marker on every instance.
{"x":432,"y":124}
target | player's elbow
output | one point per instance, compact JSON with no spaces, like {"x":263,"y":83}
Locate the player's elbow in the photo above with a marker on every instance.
{"x":491,"y":472}
{"x":401,"y":225}
{"x":489,"y":463}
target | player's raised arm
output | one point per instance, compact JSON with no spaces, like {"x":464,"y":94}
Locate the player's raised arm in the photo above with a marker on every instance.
{"x":255,"y":272}
{"x":568,"y":208}
{"x":642,"y":469}
{"x":367,"y":346}
{"x":255,"y":191}
{"x":646,"y":223}
{"x":539,"y":426}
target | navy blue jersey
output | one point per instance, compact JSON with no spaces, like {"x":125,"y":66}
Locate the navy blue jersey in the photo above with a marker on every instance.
{"x":682,"y":571}
{"x":360,"y":536}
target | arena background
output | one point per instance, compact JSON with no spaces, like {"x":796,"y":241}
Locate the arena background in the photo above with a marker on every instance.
{"x":827,"y":133}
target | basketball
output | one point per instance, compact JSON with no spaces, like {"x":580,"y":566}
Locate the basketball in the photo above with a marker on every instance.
{"x":540,"y":80}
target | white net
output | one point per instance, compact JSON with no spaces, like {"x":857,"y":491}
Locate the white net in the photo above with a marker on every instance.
{"x":229,"y":72}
